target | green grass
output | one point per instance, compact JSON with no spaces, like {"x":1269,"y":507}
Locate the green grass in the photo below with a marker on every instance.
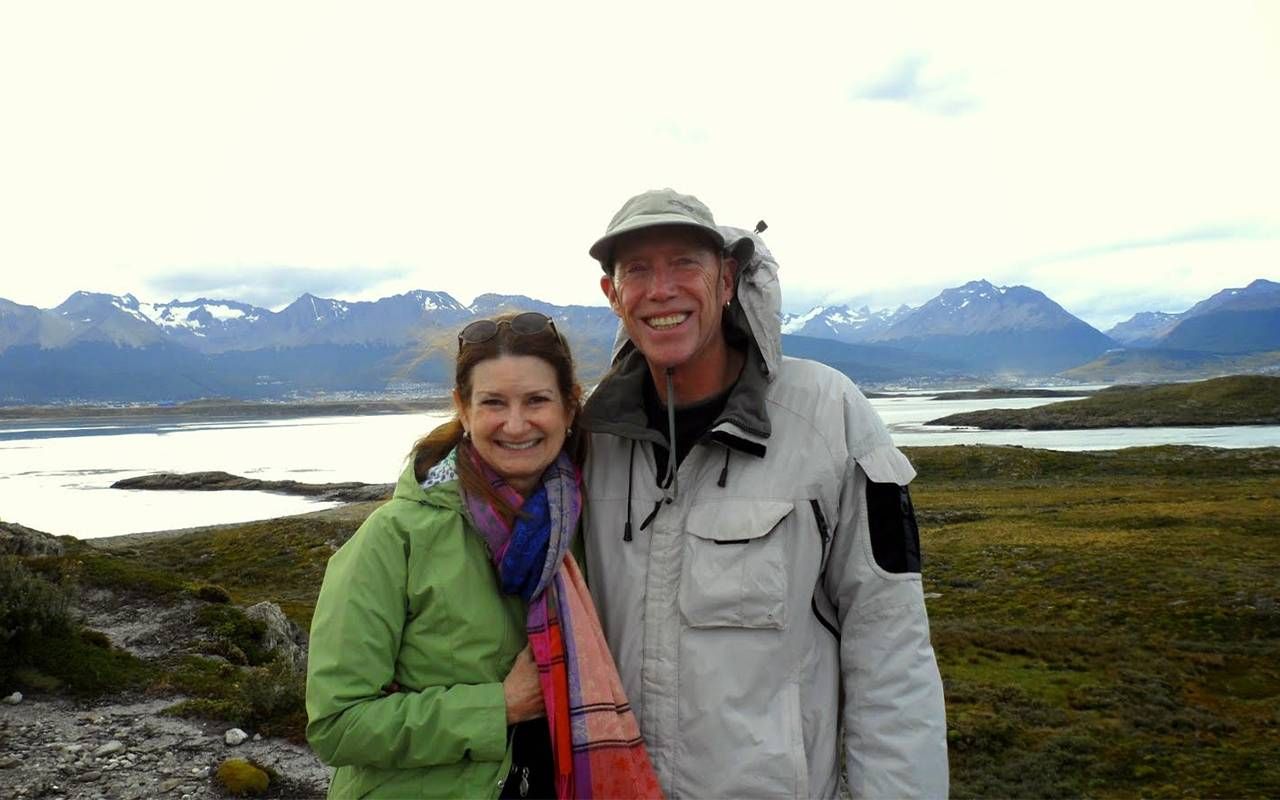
{"x":1108,"y":624}
{"x":1234,"y":400}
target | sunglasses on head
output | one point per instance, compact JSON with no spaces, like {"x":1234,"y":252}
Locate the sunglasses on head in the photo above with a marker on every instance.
{"x":527,"y":323}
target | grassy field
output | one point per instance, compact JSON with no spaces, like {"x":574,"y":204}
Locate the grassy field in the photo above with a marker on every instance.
{"x":1107,"y":624}
{"x":1234,"y":400}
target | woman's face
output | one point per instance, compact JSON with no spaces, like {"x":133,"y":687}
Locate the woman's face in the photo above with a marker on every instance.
{"x":517,"y":417}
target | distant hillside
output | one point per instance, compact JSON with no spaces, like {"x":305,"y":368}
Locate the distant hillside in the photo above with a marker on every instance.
{"x":1238,"y":320}
{"x":1235,"y":400}
{"x":872,"y":364}
{"x":1161,"y":366}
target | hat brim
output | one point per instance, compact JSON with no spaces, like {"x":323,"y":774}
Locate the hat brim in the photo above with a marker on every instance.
{"x":603,"y":248}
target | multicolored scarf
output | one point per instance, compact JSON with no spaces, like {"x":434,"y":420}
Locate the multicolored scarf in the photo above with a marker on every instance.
{"x":595,"y":740}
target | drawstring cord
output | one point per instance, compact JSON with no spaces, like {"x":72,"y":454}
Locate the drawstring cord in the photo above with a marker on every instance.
{"x":724,"y":473}
{"x":631,"y":471}
{"x":672,"y":479}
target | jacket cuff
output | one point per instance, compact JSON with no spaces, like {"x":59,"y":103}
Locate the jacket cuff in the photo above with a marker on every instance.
{"x":488,"y":709}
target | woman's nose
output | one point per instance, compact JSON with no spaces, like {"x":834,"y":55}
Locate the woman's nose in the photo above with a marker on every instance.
{"x":516,"y":421}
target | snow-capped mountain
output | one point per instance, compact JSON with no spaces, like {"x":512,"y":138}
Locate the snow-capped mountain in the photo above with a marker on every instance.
{"x":1004,"y":329}
{"x":96,"y":317}
{"x":106,"y":347}
{"x":843,"y":323}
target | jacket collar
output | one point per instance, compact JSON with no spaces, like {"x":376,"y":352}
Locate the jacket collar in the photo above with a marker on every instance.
{"x":616,"y":406}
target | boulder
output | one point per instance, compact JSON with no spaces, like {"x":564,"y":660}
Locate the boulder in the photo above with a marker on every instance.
{"x":19,"y":540}
{"x":241,"y":778}
{"x":282,"y":636}
{"x":235,"y":737}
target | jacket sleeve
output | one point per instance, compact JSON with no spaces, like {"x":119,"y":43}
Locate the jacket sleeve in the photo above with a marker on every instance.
{"x":894,"y":716}
{"x":355,"y":640}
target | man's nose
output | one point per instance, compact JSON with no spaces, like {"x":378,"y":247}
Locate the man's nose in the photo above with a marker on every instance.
{"x":661,"y":282}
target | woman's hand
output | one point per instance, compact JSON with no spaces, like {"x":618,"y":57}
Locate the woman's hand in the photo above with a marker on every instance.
{"x":523,"y":690}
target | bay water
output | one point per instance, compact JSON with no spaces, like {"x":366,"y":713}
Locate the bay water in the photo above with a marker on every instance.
{"x":56,"y":476}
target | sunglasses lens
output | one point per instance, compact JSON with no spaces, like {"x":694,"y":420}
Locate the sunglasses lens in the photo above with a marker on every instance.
{"x":481,"y":330}
{"x":528,"y":323}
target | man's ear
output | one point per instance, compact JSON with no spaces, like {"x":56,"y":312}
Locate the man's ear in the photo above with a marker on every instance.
{"x":729,"y":278}
{"x":611,"y":292}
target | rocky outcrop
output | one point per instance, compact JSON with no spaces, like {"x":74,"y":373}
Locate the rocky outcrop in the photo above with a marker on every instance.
{"x":19,"y":540}
{"x":351,"y":492}
{"x":282,"y":636}
{"x":53,"y":747}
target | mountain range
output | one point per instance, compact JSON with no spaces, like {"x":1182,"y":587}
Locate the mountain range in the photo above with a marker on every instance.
{"x":108,"y":348}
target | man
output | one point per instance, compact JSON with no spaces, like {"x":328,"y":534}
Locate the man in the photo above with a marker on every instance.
{"x":760,"y":585}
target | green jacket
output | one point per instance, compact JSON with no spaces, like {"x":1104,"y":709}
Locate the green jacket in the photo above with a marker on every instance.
{"x":413,"y":598}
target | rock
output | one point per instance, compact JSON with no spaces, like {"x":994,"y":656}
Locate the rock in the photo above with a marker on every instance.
{"x":18,"y":540}
{"x":282,"y":636}
{"x":89,"y":777}
{"x":9,"y":762}
{"x":14,"y":698}
{"x":110,"y":748}
{"x":235,"y":736}
{"x":242,"y":778}
{"x":257,"y":737}
{"x":170,"y":785}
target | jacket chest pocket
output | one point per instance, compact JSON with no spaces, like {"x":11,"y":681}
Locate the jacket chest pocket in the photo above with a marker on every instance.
{"x":734,"y":572}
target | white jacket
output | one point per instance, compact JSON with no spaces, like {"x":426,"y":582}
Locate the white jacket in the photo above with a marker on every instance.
{"x":761,"y":611}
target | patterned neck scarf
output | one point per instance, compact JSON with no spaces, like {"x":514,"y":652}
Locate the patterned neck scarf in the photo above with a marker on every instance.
{"x":595,"y":740}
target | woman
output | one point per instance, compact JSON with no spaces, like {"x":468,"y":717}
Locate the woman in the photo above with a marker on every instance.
{"x":453,"y":634}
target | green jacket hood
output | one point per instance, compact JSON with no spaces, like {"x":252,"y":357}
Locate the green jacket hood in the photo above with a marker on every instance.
{"x":442,"y":495}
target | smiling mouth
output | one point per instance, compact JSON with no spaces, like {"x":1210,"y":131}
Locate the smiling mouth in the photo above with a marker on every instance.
{"x":519,"y":445}
{"x":666,"y":322}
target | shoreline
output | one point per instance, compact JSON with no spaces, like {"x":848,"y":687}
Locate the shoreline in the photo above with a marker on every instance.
{"x":225,"y":409}
{"x":354,"y":511}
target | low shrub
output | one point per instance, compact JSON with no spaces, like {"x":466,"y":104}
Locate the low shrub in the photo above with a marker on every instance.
{"x":30,"y":606}
{"x":211,"y":593}
{"x":230,"y":623}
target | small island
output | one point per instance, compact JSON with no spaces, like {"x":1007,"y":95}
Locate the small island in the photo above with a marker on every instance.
{"x":348,"y":492}
{"x":1233,"y":400}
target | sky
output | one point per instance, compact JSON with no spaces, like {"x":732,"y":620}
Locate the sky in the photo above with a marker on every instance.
{"x":1119,"y":157}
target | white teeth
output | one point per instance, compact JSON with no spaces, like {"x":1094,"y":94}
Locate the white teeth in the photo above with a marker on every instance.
{"x":519,"y":445}
{"x":669,"y":321}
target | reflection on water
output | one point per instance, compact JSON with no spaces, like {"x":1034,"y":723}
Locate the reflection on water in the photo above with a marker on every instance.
{"x":57,"y":477}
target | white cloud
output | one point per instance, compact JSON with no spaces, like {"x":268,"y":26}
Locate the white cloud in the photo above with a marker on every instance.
{"x":482,"y":148}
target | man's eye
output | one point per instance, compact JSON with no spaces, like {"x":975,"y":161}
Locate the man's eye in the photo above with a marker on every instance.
{"x":634,"y":269}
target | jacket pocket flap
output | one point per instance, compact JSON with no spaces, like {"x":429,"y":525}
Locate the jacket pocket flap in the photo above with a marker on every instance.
{"x":886,"y":464}
{"x":735,"y":521}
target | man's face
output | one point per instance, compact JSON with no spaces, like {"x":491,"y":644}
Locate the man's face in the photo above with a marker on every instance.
{"x":669,"y":287}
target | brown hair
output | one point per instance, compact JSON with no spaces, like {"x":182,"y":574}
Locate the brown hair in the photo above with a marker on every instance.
{"x":546,"y":345}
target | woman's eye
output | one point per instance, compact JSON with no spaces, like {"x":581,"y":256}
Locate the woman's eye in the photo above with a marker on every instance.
{"x":492,"y":402}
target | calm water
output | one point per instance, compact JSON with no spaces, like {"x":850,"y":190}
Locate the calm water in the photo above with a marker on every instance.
{"x":56,"y":477}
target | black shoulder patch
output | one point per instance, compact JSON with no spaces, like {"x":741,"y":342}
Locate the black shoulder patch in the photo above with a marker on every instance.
{"x":895,"y":538}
